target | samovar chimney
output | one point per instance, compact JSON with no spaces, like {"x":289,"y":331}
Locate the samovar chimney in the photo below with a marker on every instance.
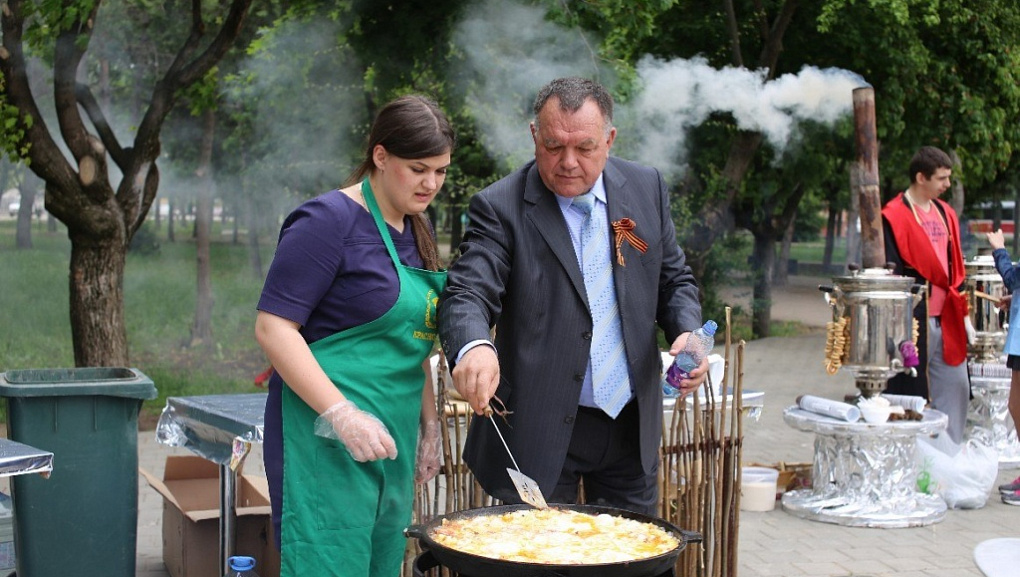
{"x":873,"y":332}
{"x":864,"y":179}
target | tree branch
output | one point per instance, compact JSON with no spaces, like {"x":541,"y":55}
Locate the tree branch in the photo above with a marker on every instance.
{"x":66,"y":58}
{"x":181,"y":74}
{"x":774,"y":43}
{"x":761,"y":18}
{"x":45,"y":158}
{"x":790,"y":207}
{"x":734,"y":32}
{"x":84,"y":96}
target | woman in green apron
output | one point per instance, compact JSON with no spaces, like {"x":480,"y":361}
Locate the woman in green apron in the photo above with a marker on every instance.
{"x":347,"y":317}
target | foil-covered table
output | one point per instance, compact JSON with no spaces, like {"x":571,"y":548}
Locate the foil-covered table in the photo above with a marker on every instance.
{"x":20,"y":459}
{"x":221,"y":428}
{"x":990,"y":409}
{"x":865,"y":475}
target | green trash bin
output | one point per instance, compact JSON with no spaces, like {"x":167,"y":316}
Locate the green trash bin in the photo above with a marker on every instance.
{"x":85,"y":515}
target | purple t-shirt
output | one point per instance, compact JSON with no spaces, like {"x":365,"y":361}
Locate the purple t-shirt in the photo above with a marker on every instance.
{"x":331,"y":270}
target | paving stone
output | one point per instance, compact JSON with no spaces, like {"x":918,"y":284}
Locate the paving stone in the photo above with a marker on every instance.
{"x":773,"y":543}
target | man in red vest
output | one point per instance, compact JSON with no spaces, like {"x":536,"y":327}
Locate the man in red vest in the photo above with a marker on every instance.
{"x":922,"y":237}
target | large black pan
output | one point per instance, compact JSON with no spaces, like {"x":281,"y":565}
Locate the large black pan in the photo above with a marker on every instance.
{"x":468,"y":564}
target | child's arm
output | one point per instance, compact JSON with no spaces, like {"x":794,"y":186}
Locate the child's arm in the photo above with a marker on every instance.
{"x":1003,"y":264}
{"x":997,"y":239}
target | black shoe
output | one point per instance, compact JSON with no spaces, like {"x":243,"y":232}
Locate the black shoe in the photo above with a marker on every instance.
{"x":1010,"y":487}
{"x":1011,"y":498}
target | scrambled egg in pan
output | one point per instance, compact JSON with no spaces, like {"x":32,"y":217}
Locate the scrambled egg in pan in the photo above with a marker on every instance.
{"x":555,"y":537}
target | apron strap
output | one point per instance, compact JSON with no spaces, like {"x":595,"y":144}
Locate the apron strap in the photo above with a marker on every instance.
{"x":373,"y":207}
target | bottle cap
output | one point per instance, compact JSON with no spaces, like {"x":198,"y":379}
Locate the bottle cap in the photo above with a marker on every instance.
{"x":241,"y":563}
{"x":710,"y":327}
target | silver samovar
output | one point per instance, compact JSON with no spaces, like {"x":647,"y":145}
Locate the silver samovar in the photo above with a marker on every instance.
{"x":984,"y":289}
{"x":873,"y":333}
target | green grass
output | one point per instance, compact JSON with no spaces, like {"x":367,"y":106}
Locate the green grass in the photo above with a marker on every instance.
{"x":815,"y":250}
{"x":159,"y":302}
{"x":159,"y":293}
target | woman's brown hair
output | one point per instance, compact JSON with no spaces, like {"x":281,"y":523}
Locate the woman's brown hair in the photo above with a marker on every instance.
{"x":410,"y":127}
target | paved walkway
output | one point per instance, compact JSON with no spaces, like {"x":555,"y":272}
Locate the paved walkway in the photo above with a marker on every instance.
{"x":772,"y":543}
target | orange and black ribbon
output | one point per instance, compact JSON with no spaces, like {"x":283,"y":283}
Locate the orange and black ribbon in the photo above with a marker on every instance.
{"x":624,"y":231}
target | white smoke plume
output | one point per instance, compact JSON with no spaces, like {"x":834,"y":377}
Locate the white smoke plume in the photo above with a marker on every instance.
{"x":512,"y":51}
{"x":680,"y":94}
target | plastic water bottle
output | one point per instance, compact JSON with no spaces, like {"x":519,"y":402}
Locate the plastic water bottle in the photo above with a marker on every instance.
{"x":241,"y":566}
{"x":699,"y":344}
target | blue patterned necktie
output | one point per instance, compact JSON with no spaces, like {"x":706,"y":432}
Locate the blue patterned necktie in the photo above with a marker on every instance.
{"x":609,"y":378}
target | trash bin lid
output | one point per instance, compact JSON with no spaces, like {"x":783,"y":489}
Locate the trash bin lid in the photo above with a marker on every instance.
{"x":86,"y":381}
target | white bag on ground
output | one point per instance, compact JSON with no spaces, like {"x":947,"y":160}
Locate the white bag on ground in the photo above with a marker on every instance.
{"x":962,"y":474}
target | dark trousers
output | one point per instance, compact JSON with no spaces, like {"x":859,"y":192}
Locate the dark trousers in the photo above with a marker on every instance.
{"x":604,"y":456}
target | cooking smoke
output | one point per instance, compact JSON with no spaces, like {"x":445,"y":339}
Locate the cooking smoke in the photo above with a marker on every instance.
{"x":511,"y":51}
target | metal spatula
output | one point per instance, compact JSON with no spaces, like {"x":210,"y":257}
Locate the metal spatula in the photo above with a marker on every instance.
{"x":527,"y":488}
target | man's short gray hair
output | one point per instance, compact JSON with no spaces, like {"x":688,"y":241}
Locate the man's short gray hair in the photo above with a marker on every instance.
{"x":572,"y":93}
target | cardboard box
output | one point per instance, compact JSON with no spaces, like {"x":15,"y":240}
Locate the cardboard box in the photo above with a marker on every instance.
{"x":191,"y":519}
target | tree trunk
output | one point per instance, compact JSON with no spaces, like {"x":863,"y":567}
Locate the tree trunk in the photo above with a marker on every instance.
{"x":252,"y":222}
{"x":254,"y":251}
{"x":457,"y":231}
{"x":97,"y":300}
{"x":201,"y":329}
{"x":958,"y":193}
{"x":23,"y":233}
{"x":781,"y":275}
{"x":830,"y":238}
{"x":170,"y":221}
{"x":716,"y":220}
{"x":235,"y":234}
{"x":764,"y":252}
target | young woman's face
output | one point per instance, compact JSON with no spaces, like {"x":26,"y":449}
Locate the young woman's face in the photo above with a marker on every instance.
{"x":409,"y":185}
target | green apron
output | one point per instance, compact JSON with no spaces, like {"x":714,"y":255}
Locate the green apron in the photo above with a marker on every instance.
{"x":342,"y":517}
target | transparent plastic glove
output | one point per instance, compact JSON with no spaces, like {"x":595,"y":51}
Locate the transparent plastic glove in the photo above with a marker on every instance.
{"x":968,"y":325}
{"x":363,"y":434}
{"x":430,"y":452}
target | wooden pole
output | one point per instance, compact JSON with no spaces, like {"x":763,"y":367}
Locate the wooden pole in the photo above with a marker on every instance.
{"x":864,"y":179}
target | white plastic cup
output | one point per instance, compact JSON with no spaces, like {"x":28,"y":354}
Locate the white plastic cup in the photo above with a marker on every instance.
{"x":758,"y":487}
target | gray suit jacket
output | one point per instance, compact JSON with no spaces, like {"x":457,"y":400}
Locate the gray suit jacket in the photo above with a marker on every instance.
{"x":518,"y":273}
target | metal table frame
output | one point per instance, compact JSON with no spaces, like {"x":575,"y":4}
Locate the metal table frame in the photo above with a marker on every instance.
{"x":222,"y":429}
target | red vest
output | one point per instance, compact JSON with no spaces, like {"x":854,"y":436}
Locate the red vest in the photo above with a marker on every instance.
{"x":917,"y":252}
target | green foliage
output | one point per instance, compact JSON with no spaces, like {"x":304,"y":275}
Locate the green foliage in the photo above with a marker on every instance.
{"x":204,"y":94}
{"x":622,"y":23}
{"x":944,"y":74}
{"x":12,"y":135}
{"x":59,"y":15}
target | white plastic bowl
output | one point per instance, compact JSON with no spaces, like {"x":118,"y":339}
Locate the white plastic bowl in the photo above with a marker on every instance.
{"x":874,"y":414}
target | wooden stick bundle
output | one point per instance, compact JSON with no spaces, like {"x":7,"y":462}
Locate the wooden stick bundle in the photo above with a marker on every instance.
{"x":703,"y":449}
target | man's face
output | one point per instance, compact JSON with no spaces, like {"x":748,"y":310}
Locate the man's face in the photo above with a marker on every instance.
{"x":571,"y":149}
{"x":938,"y":183}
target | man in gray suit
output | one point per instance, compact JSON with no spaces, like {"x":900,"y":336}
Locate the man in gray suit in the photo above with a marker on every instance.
{"x":520,"y":273}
